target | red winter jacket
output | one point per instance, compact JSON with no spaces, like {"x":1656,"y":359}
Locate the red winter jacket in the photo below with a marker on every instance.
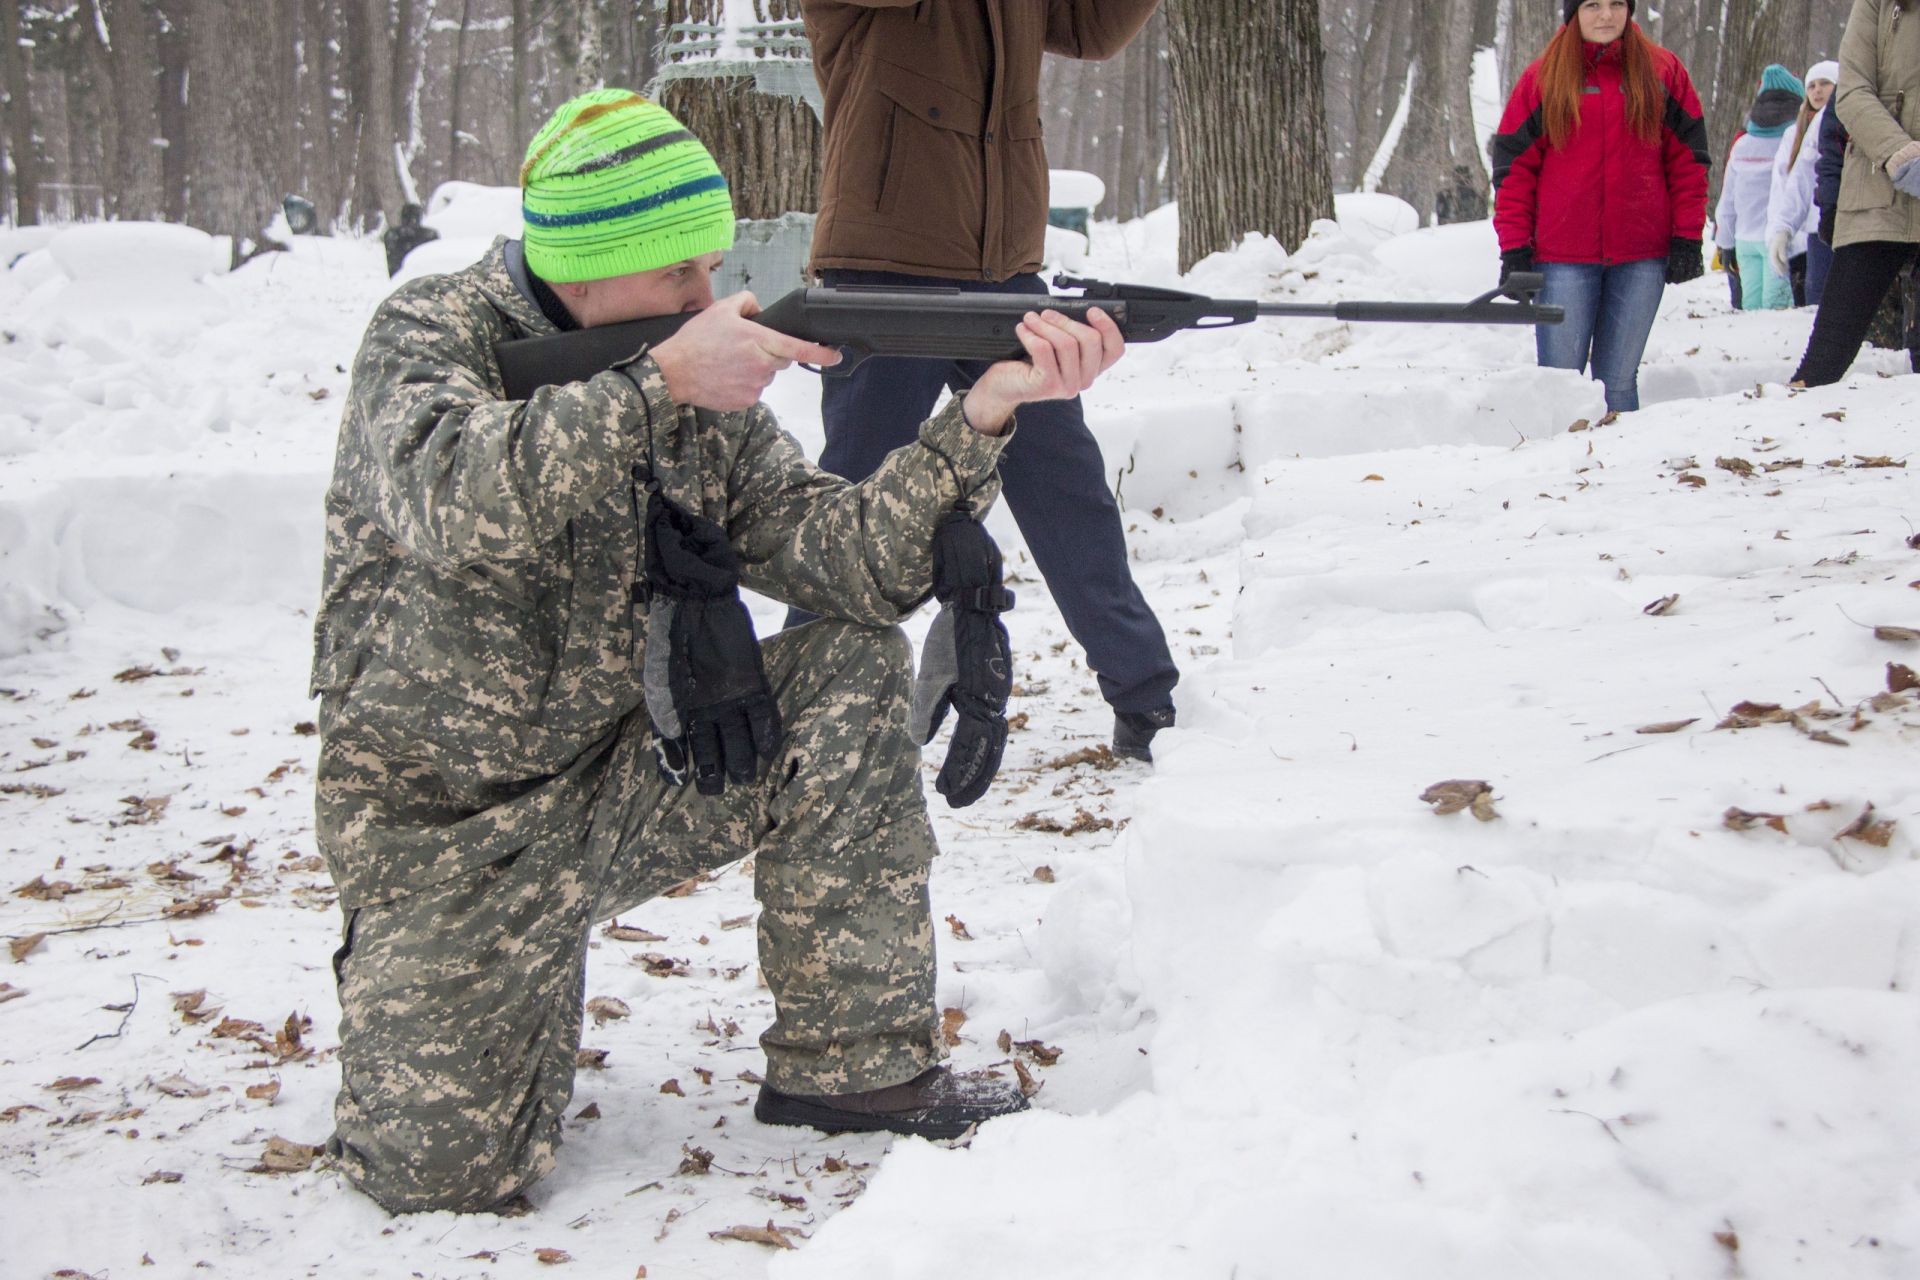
{"x":1606,"y":196}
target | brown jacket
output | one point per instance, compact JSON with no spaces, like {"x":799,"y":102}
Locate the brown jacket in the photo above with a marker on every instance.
{"x":934,"y":162}
{"x":1879,"y":101}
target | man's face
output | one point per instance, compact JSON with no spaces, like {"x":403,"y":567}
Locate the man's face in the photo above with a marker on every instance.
{"x":664,"y":291}
{"x":1603,"y":21}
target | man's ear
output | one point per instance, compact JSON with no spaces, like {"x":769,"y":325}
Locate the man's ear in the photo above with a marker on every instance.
{"x":573,"y":291}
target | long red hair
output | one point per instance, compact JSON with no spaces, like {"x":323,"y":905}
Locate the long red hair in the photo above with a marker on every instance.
{"x":1563,"y":78}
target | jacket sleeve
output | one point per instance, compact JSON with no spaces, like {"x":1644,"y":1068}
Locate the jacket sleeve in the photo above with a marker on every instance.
{"x":452,"y":472}
{"x":862,"y":551}
{"x":1518,"y":150}
{"x":1876,"y":134}
{"x":1833,"y":154}
{"x":1095,"y":29}
{"x":1727,"y":212}
{"x":1790,"y":194}
{"x":1683,"y":131}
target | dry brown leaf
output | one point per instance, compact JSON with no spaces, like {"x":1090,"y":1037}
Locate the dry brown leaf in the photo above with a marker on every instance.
{"x":1862,"y":461}
{"x":1028,"y":1084}
{"x":1901,"y":677}
{"x":589,"y":1112}
{"x":67,"y":1084}
{"x":1043,"y":1054}
{"x":161,"y":1175}
{"x":266,"y":1093}
{"x":1735,"y":819}
{"x":13,"y":1113}
{"x":684,"y":889}
{"x":628,"y":933}
{"x":673,"y":1087}
{"x":738,"y":922}
{"x":40,"y":889}
{"x":606,"y":1008}
{"x":660,"y":966}
{"x":21,"y":948}
{"x":770,"y":1235}
{"x":178,"y":1086}
{"x":1100,"y":757}
{"x":188,"y":1005}
{"x":1456,"y":794}
{"x":591,"y":1059}
{"x":1899,"y":635}
{"x":1371,"y":476}
{"x":1043,"y":874}
{"x":552,"y":1257}
{"x":282,"y":1156}
{"x":1739,"y":466}
{"x":1688,"y":478}
{"x":10,"y":992}
{"x":951,"y":1020}
{"x":1868,"y":829}
{"x":959,"y":928}
{"x":1661,"y":607}
{"x":1667,"y":726}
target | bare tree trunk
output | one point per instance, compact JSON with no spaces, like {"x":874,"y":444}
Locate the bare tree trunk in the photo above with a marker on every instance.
{"x":1421,"y":164}
{"x":588,"y":72}
{"x":1249,"y":121}
{"x":1380,"y":81}
{"x":455,"y":117}
{"x":26,"y":164}
{"x":1530,"y":25}
{"x":1757,"y":32}
{"x":1467,"y":169}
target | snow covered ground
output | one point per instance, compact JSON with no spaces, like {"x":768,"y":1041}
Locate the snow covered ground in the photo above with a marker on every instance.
{"x":1643,"y":1006}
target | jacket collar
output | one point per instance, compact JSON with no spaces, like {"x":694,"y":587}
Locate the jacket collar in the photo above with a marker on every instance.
{"x":495,"y":279}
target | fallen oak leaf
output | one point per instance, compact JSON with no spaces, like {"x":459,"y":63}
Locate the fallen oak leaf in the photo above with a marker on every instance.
{"x":1867,"y":830}
{"x":1737,"y":819}
{"x":775,"y":1237}
{"x":591,"y":1059}
{"x":1901,"y":677}
{"x":951,"y":1020}
{"x":266,"y":1093}
{"x":67,"y":1084}
{"x":552,"y":1257}
{"x":10,"y":992}
{"x":178,"y":1086}
{"x":628,"y":933}
{"x":284,"y":1156}
{"x":1898,"y":635}
{"x":21,"y":948}
{"x":1043,"y":1054}
{"x":606,"y":1008}
{"x":959,"y":928}
{"x":1862,"y":462}
{"x":40,"y":889}
{"x":1739,"y":466}
{"x":161,"y":1175}
{"x":1661,"y":607}
{"x":1667,"y":726}
{"x":1456,"y":794}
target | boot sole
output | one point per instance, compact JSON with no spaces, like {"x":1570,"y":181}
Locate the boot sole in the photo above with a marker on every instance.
{"x":787,"y":1109}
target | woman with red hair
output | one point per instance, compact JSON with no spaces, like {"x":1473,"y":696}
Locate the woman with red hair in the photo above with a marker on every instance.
{"x":1600,"y":184}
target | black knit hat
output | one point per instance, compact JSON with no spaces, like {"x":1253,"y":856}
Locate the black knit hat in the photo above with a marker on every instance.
{"x":1573,"y":6}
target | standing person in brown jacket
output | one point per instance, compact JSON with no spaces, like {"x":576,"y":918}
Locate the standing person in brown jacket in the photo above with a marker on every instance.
{"x":936,"y":175}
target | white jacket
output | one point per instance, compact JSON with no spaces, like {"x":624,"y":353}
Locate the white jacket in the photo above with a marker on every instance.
{"x":1742,"y":214}
{"x":1790,"y":206}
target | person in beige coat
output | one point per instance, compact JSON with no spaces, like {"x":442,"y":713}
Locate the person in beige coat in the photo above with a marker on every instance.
{"x":1878,"y":229}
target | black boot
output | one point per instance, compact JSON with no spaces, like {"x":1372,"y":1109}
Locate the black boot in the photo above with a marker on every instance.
{"x":1133,"y":732}
{"x":937,"y":1103}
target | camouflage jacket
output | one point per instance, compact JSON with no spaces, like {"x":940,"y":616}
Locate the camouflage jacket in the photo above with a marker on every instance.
{"x":476,"y":644}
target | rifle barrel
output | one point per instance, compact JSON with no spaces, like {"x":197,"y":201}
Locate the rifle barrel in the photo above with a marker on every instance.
{"x":1420,"y":312}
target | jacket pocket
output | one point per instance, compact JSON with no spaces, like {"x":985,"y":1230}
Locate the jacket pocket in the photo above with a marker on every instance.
{"x":1864,"y":187}
{"x":932,"y":169}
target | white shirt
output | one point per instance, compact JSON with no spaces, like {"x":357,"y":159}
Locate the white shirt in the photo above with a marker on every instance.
{"x":1790,"y":206}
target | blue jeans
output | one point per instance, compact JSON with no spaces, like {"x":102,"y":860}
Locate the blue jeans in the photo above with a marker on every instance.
{"x":1610,"y":312}
{"x":1052,"y":478}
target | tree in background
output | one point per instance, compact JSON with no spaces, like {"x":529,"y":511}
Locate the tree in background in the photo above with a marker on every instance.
{"x":23,"y":168}
{"x":1249,"y":123}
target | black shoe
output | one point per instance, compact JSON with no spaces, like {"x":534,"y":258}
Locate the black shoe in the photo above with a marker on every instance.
{"x":937,"y":1103}
{"x":1133,"y":732}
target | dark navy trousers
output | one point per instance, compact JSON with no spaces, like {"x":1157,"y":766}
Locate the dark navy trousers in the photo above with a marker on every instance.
{"x":1051,"y":477}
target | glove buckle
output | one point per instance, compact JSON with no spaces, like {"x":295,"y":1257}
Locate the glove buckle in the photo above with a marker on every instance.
{"x":994,"y":599}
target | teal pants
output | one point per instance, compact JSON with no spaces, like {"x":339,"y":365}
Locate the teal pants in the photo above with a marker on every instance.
{"x":1760,"y":288}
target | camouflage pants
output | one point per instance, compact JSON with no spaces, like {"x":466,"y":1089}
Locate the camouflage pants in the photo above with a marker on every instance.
{"x":461,"y":1004}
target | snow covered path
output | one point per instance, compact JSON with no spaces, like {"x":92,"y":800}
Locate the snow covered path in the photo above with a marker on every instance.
{"x":1654,"y":1017}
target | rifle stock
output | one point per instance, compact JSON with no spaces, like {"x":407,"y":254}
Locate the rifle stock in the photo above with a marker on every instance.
{"x":866,"y":321}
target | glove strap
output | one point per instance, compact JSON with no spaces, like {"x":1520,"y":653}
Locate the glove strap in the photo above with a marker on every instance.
{"x":994,"y":599}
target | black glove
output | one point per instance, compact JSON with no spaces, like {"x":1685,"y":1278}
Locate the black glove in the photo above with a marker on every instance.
{"x":1828,"y":218}
{"x":967,"y":663}
{"x":1513,"y":260}
{"x":706,"y":690}
{"x":1684,"y":262}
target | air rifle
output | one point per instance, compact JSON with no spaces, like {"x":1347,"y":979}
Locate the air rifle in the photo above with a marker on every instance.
{"x":866,"y":321}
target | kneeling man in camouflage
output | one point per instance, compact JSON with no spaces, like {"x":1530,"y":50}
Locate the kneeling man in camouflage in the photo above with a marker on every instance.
{"x":542,"y":701}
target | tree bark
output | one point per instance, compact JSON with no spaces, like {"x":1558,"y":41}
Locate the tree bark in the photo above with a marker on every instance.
{"x":1757,"y":32}
{"x":1530,"y":25}
{"x":458,"y":72}
{"x":20,"y":147}
{"x":1249,"y":121}
{"x":1422,"y":160}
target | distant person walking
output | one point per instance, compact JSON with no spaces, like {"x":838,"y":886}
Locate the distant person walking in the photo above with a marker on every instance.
{"x":1877,"y":222}
{"x":405,"y":236}
{"x":1794,"y":249}
{"x":1600,"y":183}
{"x":1740,"y":222}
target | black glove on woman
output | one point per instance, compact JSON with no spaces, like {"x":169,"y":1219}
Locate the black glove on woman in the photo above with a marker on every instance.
{"x":1684,"y":262}
{"x":967,"y":662}
{"x":706,"y":690}
{"x":1513,"y":260}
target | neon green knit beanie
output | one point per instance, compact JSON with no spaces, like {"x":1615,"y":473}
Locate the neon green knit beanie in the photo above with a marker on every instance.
{"x":613,"y":184}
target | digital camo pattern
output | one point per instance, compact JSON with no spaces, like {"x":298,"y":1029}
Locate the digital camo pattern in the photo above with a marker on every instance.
{"x":476,"y":644}
{"x":461,"y":1004}
{"x":486,"y":789}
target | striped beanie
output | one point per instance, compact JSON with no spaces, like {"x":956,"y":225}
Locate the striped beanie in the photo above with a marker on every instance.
{"x":613,"y":184}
